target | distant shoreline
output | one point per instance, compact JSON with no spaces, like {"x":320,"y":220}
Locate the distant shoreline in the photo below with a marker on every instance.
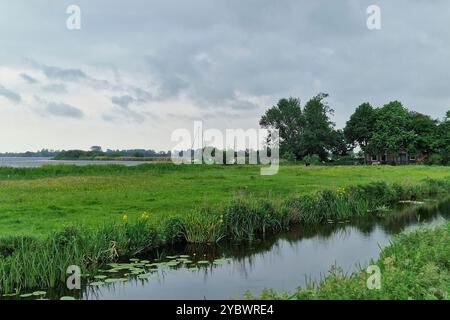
{"x":106,"y":158}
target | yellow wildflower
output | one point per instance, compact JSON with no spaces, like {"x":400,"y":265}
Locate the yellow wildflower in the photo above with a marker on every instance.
{"x":125,"y":217}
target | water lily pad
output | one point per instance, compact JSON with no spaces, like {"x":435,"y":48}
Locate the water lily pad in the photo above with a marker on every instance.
{"x":10,"y":295}
{"x":145,"y":276}
{"x":134,"y":260}
{"x":100,"y":277}
{"x":39,"y":293}
{"x":26,"y":295}
{"x":171,"y":257}
{"x":67,"y":298}
{"x":221,"y":261}
{"x":184,"y":256}
{"x":97,"y":283}
{"x":203,"y":262}
{"x":145,"y":261}
{"x":112,"y":280}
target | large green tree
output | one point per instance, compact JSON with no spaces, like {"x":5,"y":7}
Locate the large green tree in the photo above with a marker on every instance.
{"x":287,"y":117}
{"x":443,"y":139}
{"x":393,"y":132}
{"x":425,"y":130}
{"x":304,"y":131}
{"x":318,"y":135}
{"x":359,"y":129}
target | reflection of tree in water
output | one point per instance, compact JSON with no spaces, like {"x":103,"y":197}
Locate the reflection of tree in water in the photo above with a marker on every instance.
{"x":394,"y":222}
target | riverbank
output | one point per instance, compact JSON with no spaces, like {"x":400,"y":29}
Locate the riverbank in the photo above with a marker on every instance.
{"x":415,"y":266}
{"x":28,"y":262}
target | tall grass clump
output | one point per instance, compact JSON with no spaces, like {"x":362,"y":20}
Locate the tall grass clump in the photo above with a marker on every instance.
{"x":202,"y":227}
{"x":43,"y":263}
{"x":248,"y":219}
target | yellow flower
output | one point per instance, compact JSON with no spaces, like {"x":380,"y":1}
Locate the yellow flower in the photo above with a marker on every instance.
{"x":144,"y":216}
{"x":125,"y":217}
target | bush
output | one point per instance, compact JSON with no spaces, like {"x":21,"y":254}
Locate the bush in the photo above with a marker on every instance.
{"x":435,"y":159}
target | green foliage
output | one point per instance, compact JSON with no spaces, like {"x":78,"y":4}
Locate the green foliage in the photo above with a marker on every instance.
{"x":304,"y":132}
{"x":202,"y":227}
{"x":359,"y":129}
{"x":312,"y":159}
{"x":287,"y":117}
{"x":318,"y":135}
{"x":393,"y":132}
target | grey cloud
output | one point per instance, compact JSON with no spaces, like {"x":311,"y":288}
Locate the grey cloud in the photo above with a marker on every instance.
{"x":58,"y":73}
{"x":55,"y":88}
{"x":63,"y":74}
{"x":64,"y":110}
{"x":122,"y":101}
{"x":11,"y":95}
{"x":28,"y":78}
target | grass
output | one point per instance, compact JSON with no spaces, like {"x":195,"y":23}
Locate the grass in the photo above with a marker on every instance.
{"x":415,"y":266}
{"x":39,"y":201}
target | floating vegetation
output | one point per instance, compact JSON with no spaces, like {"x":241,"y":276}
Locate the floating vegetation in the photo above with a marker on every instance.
{"x":39,"y":293}
{"x":67,"y":298}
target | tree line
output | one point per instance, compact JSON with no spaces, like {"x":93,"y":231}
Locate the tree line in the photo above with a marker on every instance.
{"x":308,"y":131}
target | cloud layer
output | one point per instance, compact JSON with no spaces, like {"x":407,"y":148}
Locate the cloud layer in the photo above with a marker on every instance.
{"x":153,"y":66}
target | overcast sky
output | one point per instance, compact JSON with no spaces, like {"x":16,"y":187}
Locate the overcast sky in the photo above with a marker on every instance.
{"x":137,"y":70}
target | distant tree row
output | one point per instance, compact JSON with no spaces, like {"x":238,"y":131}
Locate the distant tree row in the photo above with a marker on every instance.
{"x":308,"y":131}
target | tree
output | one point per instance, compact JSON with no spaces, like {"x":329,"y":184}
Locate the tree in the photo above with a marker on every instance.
{"x":392,"y":131}
{"x":359,"y":129}
{"x":318,"y":135}
{"x":443,"y":139}
{"x":425,"y":129}
{"x":287,"y":117}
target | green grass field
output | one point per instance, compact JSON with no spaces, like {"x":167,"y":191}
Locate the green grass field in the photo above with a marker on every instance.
{"x":36,"y":201}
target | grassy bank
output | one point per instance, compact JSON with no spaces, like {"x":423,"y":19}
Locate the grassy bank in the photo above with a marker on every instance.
{"x":39,"y":201}
{"x":415,"y":266}
{"x":27,"y":262}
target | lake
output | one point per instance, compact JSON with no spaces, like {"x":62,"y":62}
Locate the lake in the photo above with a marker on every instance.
{"x":30,"y":162}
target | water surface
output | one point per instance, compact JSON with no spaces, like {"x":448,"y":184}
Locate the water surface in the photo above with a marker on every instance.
{"x":33,"y":162}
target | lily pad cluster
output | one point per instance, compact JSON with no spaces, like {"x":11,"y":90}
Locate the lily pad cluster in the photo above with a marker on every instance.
{"x":133,"y":269}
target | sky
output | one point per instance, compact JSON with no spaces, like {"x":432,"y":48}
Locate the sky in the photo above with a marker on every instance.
{"x":138,"y":70}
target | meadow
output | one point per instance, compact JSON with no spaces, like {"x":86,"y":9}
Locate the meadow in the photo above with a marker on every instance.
{"x":38,"y":201}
